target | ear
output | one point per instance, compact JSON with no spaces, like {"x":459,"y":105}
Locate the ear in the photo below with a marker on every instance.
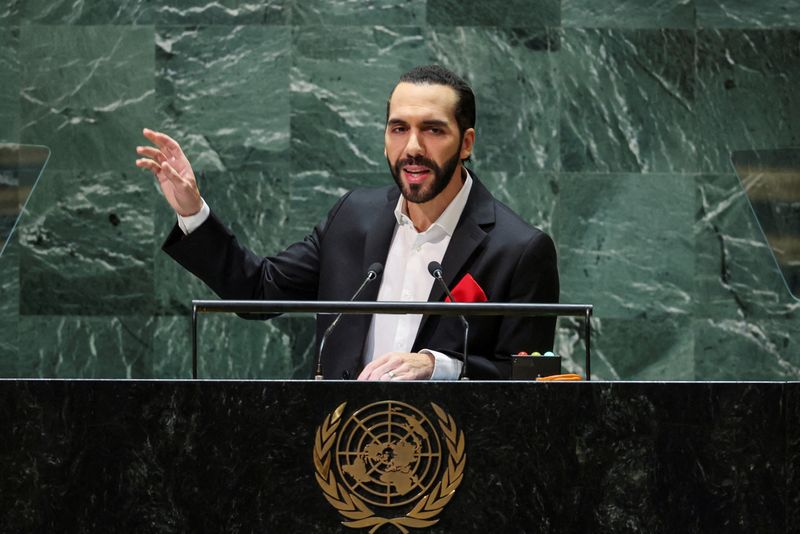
{"x":467,"y":143}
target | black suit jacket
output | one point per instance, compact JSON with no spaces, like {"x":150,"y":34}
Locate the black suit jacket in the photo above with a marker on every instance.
{"x":511,"y":260}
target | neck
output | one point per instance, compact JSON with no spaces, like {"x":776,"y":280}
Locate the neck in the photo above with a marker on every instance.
{"x":425,"y":214}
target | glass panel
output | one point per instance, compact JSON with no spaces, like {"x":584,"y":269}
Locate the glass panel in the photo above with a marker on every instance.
{"x":771,"y":179}
{"x":20,"y":168}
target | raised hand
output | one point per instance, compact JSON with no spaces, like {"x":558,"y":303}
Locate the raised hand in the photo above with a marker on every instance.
{"x":169,"y":164}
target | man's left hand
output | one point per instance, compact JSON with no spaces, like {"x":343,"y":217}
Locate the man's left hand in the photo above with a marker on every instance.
{"x":399,"y":366}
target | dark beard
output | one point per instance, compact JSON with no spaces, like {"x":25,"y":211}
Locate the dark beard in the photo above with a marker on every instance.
{"x":416,"y":193}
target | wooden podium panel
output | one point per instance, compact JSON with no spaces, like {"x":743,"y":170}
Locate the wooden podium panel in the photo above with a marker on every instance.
{"x":238,"y":456}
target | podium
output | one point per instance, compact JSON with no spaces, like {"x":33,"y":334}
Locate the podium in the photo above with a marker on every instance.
{"x":245,"y":456}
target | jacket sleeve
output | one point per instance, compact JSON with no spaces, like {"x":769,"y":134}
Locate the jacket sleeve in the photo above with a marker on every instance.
{"x":232,"y":271}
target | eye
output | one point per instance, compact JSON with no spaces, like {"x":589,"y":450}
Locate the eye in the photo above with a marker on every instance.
{"x":435,"y":131}
{"x":398,"y":129}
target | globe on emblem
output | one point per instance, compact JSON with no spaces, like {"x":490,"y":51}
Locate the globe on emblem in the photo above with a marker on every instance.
{"x":388,"y":453}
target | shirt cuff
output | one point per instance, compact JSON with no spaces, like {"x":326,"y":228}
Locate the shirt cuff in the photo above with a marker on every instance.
{"x":192,"y":222}
{"x":444,"y":367}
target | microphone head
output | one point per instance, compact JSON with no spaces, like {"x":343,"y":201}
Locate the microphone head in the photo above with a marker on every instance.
{"x":375,"y":270}
{"x":435,"y":268}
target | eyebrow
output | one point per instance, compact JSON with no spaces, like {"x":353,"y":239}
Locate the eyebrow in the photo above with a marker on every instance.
{"x":429,"y":122}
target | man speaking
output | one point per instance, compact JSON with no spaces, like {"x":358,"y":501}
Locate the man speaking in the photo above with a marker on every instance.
{"x":438,"y":212}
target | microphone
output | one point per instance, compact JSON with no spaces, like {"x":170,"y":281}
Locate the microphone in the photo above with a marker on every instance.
{"x":373,"y":273}
{"x":435,"y":268}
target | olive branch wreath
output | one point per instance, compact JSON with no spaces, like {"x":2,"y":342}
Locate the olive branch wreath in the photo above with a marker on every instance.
{"x":353,"y":508}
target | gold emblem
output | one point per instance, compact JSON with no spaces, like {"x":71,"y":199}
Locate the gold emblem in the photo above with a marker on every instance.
{"x":389,"y":455}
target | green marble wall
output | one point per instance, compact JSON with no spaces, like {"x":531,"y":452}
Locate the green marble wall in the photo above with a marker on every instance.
{"x":609,"y":124}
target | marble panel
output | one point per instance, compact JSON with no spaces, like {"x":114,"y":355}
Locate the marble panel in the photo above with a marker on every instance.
{"x":746,"y":93}
{"x":513,"y":75}
{"x":9,"y":308}
{"x":736,"y":276}
{"x":629,"y":349}
{"x":9,"y":90}
{"x":615,"y":254}
{"x":87,"y":12}
{"x":510,"y":14}
{"x":223,"y":94}
{"x":87,"y":93}
{"x":230,"y":347}
{"x":85,"y":347}
{"x":531,"y":195}
{"x":747,"y":14}
{"x":86,"y":242}
{"x":362,"y":13}
{"x":314,"y":193}
{"x":176,"y":12}
{"x":627,"y":100}
{"x":340,"y":81}
{"x":9,"y":12}
{"x":731,"y":349}
{"x":635,"y":14}
{"x":254,"y":204}
{"x":222,"y":12}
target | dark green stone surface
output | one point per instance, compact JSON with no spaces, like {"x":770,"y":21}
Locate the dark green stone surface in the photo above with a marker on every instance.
{"x":339,"y":90}
{"x":85,"y":347}
{"x":88,"y":12}
{"x":10,"y":88}
{"x":86,"y":243}
{"x":517,"y":118}
{"x":747,"y":14}
{"x":746,"y":93}
{"x":209,"y":83}
{"x":608,"y":124}
{"x":736,"y":275}
{"x":231,"y":347}
{"x":9,"y":309}
{"x":627,"y":100}
{"x":615,"y":253}
{"x":9,"y":12}
{"x":628,"y":14}
{"x":87,"y":95}
{"x":512,"y":13}
{"x":363,"y":12}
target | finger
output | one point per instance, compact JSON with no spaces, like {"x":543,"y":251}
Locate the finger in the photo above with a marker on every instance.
{"x":150,"y":152}
{"x":148,"y":164}
{"x":370,"y":367}
{"x":164,"y":142}
{"x":171,"y":173}
{"x":382,"y":371}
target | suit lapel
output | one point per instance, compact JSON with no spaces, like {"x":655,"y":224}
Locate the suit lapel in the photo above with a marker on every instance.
{"x":470,"y":232}
{"x":379,"y":239}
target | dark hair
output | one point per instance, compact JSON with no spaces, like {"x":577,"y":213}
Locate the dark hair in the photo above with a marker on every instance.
{"x":436,"y":75}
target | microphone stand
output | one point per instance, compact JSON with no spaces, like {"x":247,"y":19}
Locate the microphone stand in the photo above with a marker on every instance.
{"x":373,"y":273}
{"x":436,"y":271}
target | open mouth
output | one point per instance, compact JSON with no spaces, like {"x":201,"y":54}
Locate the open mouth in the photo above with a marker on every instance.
{"x":415,"y":174}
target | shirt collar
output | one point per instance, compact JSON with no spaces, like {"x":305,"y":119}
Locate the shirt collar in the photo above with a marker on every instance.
{"x":448,"y":220}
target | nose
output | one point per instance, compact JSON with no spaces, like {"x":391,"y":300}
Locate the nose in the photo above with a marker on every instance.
{"x":414,"y":146}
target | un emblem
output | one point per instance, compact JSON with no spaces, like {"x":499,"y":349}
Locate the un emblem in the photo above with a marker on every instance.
{"x":389,"y":455}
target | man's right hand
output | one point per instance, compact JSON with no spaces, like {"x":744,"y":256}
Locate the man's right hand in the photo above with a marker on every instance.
{"x":169,"y":164}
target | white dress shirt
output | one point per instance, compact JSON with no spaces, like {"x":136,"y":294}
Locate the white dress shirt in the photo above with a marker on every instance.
{"x":405,"y":278}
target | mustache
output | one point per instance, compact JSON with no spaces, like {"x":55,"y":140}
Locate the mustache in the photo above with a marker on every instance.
{"x":417,"y":160}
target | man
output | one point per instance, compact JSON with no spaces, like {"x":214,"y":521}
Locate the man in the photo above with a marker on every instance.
{"x":439,"y":211}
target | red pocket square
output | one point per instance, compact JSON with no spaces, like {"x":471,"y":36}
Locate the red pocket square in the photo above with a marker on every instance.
{"x":467,"y":290}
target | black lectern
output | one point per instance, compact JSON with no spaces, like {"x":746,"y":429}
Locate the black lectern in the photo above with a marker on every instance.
{"x":280,"y":456}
